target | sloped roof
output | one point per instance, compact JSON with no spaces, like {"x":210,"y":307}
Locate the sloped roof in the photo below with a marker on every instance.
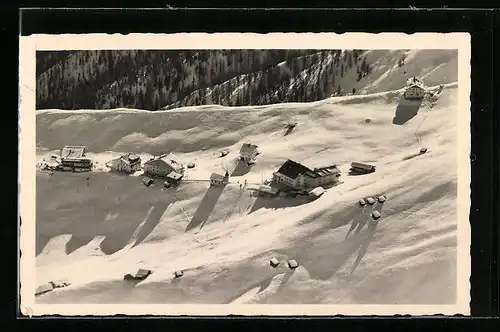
{"x":293,"y":169}
{"x":361,"y":165}
{"x":248,"y":148}
{"x":327,"y":170}
{"x":318,"y":191}
{"x":216,"y":177}
{"x":174,"y":175}
{"x":415,"y":85}
{"x":143,"y":273}
{"x":171,"y":160}
{"x":73,"y":152}
{"x":130,"y":157}
{"x":168,"y":159}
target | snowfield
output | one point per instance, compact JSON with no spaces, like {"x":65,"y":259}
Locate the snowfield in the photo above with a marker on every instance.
{"x":223,"y":239}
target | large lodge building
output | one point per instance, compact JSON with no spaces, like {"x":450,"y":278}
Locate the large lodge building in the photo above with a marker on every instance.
{"x":298,"y":176}
{"x":73,"y":159}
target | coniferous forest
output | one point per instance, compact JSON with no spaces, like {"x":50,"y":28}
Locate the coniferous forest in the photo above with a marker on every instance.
{"x":167,"y":79}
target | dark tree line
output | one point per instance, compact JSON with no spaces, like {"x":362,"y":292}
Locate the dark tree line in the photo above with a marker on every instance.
{"x":151,"y":80}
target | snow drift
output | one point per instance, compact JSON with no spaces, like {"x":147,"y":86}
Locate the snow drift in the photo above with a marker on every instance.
{"x":223,"y":238}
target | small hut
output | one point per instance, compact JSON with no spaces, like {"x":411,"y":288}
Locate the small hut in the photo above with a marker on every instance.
{"x":174,"y":178}
{"x":274,"y":262}
{"x":292,"y":263}
{"x":141,"y":274}
{"x":219,"y":180}
{"x":316,"y":193}
{"x":147,"y":181}
{"x":360,"y":168}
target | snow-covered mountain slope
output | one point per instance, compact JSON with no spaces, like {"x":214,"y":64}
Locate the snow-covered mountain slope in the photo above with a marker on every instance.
{"x":223,"y":239}
{"x":151,"y":80}
{"x":337,"y":73}
{"x":433,"y":66}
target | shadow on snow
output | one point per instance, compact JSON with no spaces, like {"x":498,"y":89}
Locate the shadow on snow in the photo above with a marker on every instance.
{"x":206,"y":207}
{"x":406,"y":110}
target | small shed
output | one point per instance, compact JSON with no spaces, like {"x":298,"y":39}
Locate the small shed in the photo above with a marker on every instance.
{"x":140,"y":275}
{"x":219,"y":180}
{"x":178,"y":274}
{"x":174,"y":177}
{"x":265,"y":190}
{"x":147,"y":181}
{"x":143,"y":273}
{"x":274,"y":262}
{"x":317,"y":192}
{"x":376,"y":215}
{"x":360,"y":168}
{"x":292,"y":263}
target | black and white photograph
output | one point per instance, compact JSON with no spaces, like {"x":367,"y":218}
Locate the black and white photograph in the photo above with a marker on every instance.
{"x":327,"y":174}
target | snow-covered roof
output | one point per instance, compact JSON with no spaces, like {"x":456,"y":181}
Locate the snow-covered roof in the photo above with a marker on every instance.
{"x":174,"y":175}
{"x":169,"y":160}
{"x":248,"y":148}
{"x":130,"y":157}
{"x":318,"y":191}
{"x":416,"y":85}
{"x":355,"y":164}
{"x":73,"y":152}
{"x":268,"y":189}
{"x":292,"y":170}
{"x":415,"y":82}
{"x":216,"y":177}
{"x":327,"y":170}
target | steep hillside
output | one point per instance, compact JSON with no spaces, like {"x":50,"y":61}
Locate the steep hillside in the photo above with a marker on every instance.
{"x":223,"y":239}
{"x":169,"y":79}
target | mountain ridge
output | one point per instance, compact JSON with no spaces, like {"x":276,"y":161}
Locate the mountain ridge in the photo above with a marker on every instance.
{"x":154,"y":80}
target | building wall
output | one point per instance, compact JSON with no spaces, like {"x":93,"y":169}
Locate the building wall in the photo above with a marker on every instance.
{"x":280,"y":178}
{"x":303,"y":182}
{"x":327,"y":179}
{"x":120,"y":166}
{"x":158,"y":169}
{"x":322,"y":180}
{"x":414,"y":92}
{"x":124,"y":167}
{"x":70,"y":164}
{"x":217,"y":182}
{"x":135,"y":167}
